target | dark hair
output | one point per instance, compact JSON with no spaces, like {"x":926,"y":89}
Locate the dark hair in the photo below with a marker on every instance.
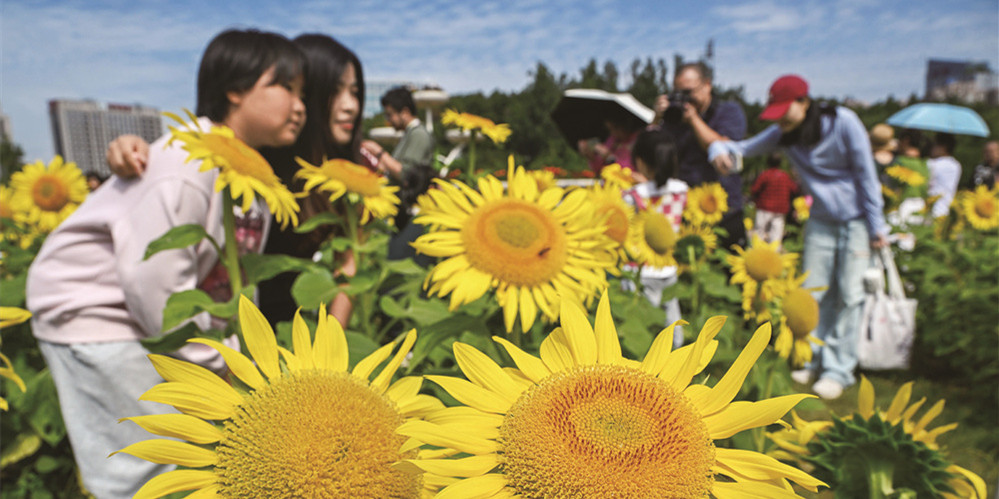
{"x":657,"y":148}
{"x":233,"y":62}
{"x":399,"y":98}
{"x":702,"y":70}
{"x":774,"y":160}
{"x":809,"y":132}
{"x":415,"y":181}
{"x":327,"y":61}
{"x":915,"y":138}
{"x":945,"y":140}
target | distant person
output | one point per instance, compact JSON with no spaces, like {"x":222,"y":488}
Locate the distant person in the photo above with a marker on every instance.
{"x":622,"y":131}
{"x":93,"y":294}
{"x":987,"y":173}
{"x":656,"y":160}
{"x":945,"y":173}
{"x":94,"y":180}
{"x":829,"y":148}
{"x":772,"y":192}
{"x":883,"y":145}
{"x":416,"y":145}
{"x":694,"y":119}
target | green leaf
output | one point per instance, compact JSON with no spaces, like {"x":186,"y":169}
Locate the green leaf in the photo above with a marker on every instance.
{"x":439,"y":334}
{"x":405,"y":267}
{"x":340,"y":244}
{"x":318,"y":220}
{"x":260,"y":267}
{"x":42,"y":405}
{"x":178,"y":237}
{"x":314,"y":287}
{"x":46,"y":464}
{"x":173,"y":340}
{"x":12,"y":291}
{"x":183,"y":305}
{"x":359,"y":346}
{"x":362,"y":282}
{"x":24,"y":445}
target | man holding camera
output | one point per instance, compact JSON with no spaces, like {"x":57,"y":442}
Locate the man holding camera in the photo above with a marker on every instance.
{"x":691,"y":115}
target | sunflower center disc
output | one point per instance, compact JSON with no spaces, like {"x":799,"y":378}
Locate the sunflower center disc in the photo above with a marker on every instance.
{"x":802,"y":312}
{"x":659,"y":233}
{"x":763,"y":264}
{"x":515,"y":241}
{"x":50,"y":193}
{"x":708,"y":204}
{"x":314,"y":434}
{"x":606,"y":431}
{"x":985,"y":207}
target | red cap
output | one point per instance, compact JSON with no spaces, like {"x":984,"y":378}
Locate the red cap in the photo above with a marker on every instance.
{"x":783,"y":92}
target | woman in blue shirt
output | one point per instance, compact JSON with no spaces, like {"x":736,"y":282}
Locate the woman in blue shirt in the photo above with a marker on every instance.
{"x":829,"y":147}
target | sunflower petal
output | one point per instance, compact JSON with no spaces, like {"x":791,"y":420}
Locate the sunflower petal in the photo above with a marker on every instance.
{"x":757,"y":466}
{"x":484,"y":372}
{"x":180,"y":426}
{"x":531,"y":366}
{"x":301,"y":341}
{"x":175,"y":481}
{"x":172,"y":369}
{"x":238,"y":364}
{"x":578,"y":333}
{"x":259,"y":336}
{"x":608,"y":343}
{"x":381,"y":382}
{"x":189,"y":400}
{"x":472,"y":395}
{"x":555,"y":352}
{"x":865,"y":398}
{"x":464,"y":467}
{"x":442,"y":436}
{"x":161,"y":451}
{"x":898,"y":403}
{"x":744,"y":415}
{"x":480,"y":487}
{"x":367,"y":365}
{"x":690,"y":367}
{"x":656,"y":358}
{"x":726,"y":389}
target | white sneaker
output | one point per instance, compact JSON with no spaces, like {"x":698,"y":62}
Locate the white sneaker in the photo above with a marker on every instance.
{"x":827,"y":389}
{"x":802,"y":376}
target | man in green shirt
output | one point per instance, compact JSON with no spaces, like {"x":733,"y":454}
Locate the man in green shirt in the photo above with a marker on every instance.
{"x":417,"y":144}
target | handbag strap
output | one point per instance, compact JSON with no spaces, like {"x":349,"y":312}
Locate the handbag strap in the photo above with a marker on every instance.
{"x":895,"y":289}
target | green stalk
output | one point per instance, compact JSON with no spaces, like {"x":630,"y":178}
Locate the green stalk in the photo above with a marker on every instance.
{"x":695,"y":300}
{"x":470,"y":175}
{"x":230,"y":258}
{"x":879,"y":477}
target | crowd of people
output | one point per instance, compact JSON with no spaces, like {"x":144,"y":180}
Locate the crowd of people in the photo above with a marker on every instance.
{"x":94,"y":297}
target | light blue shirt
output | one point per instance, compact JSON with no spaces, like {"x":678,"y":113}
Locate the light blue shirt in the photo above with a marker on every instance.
{"x":838,"y":171}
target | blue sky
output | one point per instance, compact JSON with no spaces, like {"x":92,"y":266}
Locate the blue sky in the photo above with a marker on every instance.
{"x":147,"y":52}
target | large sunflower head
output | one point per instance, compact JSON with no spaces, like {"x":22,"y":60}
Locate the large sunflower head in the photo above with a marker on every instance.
{"x":498,"y":133}
{"x":339,"y":177}
{"x":760,"y":269}
{"x":980,"y":207}
{"x":293,"y":424}
{"x":44,"y":195}
{"x":652,"y":238}
{"x":616,"y":214}
{"x":799,"y":317}
{"x":241,"y":168}
{"x":533,"y":247}
{"x":889,"y":448}
{"x":615,"y":176}
{"x":584,"y":421}
{"x":706,"y":204}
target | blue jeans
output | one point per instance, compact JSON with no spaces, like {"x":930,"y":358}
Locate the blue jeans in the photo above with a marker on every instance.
{"x":836,"y":254}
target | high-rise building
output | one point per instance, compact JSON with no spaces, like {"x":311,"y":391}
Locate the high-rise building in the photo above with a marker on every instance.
{"x":82,"y":129}
{"x":966,"y":81}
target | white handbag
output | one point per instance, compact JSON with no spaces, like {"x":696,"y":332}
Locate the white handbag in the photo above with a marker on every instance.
{"x":888,"y":323}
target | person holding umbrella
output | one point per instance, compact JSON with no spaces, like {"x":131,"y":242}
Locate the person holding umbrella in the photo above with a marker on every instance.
{"x":829,"y":147}
{"x":622,"y":131}
{"x":945,"y":173}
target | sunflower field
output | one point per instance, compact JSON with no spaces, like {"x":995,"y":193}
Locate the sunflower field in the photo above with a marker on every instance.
{"x":522,"y":354}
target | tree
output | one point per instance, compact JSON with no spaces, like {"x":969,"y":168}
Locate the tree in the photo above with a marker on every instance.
{"x":11,"y":158}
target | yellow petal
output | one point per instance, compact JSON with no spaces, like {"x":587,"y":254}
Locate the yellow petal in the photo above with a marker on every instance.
{"x":528,"y":310}
{"x":189,"y":400}
{"x":750,"y":490}
{"x":180,"y":426}
{"x":161,"y":451}
{"x":464,"y":467}
{"x":480,"y":487}
{"x":442,"y":436}
{"x":381,"y":382}
{"x":658,"y":354}
{"x":468,"y":416}
{"x":928,"y":416}
{"x":608,"y":343}
{"x":238,"y":364}
{"x":757,"y":466}
{"x":865,"y":398}
{"x":403,"y":388}
{"x":259,"y":337}
{"x":175,"y":481}
{"x":578,"y":333}
{"x":508,"y":299}
{"x":472,"y":395}
{"x":172,"y":369}
{"x":691,"y":365}
{"x":209,"y":492}
{"x":301,"y":341}
{"x":976,"y":481}
{"x":726,"y":389}
{"x":555,"y":352}
{"x":744,"y":415}
{"x":330,"y":346}
{"x":484,"y":372}
{"x":898,"y":403}
{"x":531,"y":366}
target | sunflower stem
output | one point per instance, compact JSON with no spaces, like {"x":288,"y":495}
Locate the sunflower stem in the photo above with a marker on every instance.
{"x":695,"y":299}
{"x":470,"y":174}
{"x":230,"y":258}
{"x":879,"y":477}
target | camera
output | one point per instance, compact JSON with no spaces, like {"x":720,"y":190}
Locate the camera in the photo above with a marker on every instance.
{"x":677,"y":100}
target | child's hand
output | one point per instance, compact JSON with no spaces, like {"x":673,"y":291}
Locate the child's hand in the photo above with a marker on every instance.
{"x":127,"y":155}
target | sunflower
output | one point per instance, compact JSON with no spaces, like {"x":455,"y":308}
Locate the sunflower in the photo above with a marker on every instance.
{"x":706,"y":204}
{"x":531,"y":246}
{"x":11,"y":316}
{"x":241,"y":167}
{"x":614,"y":175}
{"x":609,"y":206}
{"x":44,"y":195}
{"x":583,"y":421}
{"x":980,"y":207}
{"x":651,"y":238}
{"x":697,"y":241}
{"x":12,"y":227}
{"x":305,"y":427}
{"x":544,"y":177}
{"x":759,"y":269}
{"x":799,"y":316}
{"x":889,"y":446}
{"x":801,"y":208}
{"x":339,"y":177}
{"x":497,"y":132}
{"x":906,"y":175}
